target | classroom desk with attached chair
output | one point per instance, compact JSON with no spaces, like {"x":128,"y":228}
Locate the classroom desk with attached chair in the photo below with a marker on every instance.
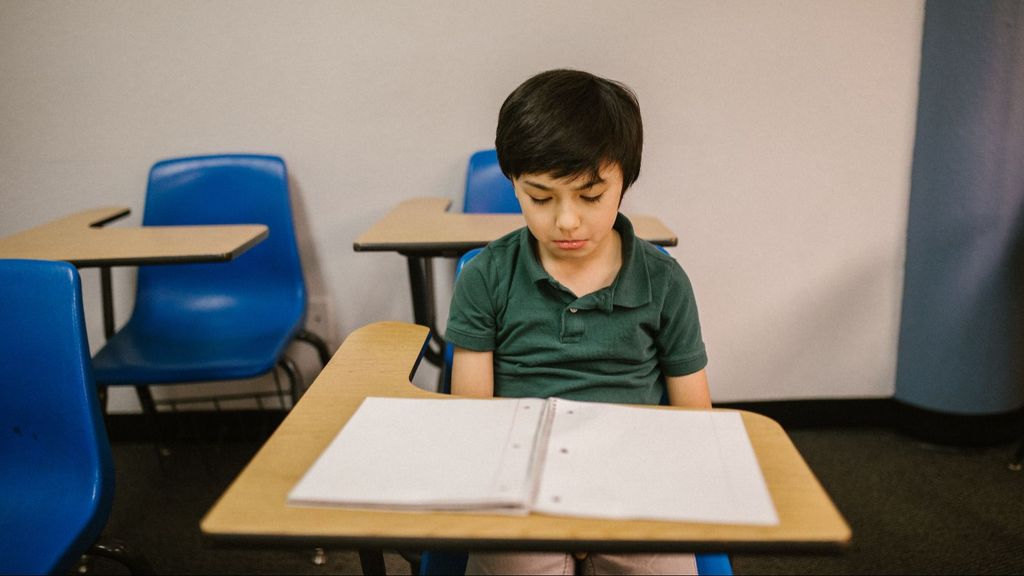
{"x":378,"y":360}
{"x":82,"y":240}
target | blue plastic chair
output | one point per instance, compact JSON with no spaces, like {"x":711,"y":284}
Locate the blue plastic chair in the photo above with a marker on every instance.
{"x":217,"y":321}
{"x":433,"y":563}
{"x":56,"y":472}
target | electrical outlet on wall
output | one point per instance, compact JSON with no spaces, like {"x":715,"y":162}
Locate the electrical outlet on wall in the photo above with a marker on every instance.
{"x":320,"y":319}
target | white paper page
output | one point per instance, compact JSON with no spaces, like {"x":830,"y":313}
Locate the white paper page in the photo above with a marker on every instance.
{"x":613,"y":461}
{"x":427,"y":454}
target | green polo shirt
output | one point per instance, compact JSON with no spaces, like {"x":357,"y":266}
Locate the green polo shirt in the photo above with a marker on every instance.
{"x":613,"y":345}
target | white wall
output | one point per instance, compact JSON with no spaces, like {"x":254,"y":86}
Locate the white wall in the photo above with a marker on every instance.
{"x":779,"y":139}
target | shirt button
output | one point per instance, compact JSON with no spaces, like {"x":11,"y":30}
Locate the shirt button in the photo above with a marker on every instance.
{"x":572,"y":310}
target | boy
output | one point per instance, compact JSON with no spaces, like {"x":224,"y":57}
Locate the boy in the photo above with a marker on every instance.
{"x":574,"y":305}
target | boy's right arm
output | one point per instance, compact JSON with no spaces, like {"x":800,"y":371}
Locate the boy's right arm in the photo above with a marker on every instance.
{"x":473,"y":373}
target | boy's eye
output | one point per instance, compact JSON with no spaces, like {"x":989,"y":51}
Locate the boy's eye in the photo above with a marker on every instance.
{"x":539,"y":200}
{"x":592,"y":199}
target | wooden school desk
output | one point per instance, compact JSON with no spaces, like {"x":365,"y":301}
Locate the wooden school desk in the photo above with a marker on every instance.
{"x":377,"y":360}
{"x":422,"y":228}
{"x":81,"y":240}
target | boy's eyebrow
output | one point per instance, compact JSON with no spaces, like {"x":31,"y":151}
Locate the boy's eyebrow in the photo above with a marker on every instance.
{"x":537,"y":185}
{"x":585,"y":186}
{"x":594,"y":181}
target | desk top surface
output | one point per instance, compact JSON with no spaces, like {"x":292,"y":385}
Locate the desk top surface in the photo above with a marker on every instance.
{"x":423,"y":226}
{"x":376,"y":360}
{"x":81,"y":240}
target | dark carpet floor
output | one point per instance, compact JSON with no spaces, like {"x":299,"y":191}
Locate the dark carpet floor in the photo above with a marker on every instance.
{"x":914,"y":508}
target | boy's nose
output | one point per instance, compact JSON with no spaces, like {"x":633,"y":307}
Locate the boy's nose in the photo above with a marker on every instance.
{"x":567,"y":219}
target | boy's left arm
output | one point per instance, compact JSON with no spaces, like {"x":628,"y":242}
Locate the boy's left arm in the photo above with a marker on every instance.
{"x":689,"y":391}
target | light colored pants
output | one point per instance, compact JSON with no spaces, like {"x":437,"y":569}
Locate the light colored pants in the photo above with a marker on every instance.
{"x":485,"y":563}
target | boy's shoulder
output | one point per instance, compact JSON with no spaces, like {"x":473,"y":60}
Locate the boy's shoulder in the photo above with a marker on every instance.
{"x":509,"y":241}
{"x":498,"y":254}
{"x":655,"y":252}
{"x":662,"y":268}
{"x":656,"y":255}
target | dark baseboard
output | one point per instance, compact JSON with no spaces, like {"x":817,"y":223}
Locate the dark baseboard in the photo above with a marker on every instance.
{"x":926,"y":425}
{"x":960,"y":429}
{"x":793,"y":414}
{"x":929,"y":426}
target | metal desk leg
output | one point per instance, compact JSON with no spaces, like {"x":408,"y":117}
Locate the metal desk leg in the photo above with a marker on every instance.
{"x":108,"y":302}
{"x":372,"y":561}
{"x":421,"y":280}
{"x":1018,"y":458}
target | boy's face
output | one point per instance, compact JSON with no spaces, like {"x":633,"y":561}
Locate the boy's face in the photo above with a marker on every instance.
{"x":571,"y":217}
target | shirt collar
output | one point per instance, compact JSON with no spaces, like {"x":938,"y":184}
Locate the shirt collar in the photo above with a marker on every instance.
{"x":632,"y":286}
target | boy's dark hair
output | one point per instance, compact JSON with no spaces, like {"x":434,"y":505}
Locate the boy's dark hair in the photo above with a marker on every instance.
{"x":566,"y":123}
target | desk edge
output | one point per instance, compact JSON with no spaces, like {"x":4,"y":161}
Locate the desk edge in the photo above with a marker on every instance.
{"x":626,"y":546}
{"x":445,"y":248}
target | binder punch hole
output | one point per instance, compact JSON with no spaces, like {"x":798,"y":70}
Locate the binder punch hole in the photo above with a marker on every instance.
{"x":564,"y":450}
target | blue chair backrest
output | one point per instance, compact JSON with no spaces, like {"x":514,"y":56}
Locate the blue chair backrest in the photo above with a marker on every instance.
{"x":226,"y":189}
{"x":488,"y":191}
{"x":54,"y":452}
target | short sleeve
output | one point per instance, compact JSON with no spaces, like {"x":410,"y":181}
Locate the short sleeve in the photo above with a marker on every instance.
{"x":471,"y":318}
{"x":680,"y":344}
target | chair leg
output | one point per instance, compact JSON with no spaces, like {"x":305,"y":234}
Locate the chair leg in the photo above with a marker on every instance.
{"x":146,"y":399}
{"x":372,"y":561}
{"x":317,"y":342}
{"x":149,"y":410}
{"x":294,"y":376}
{"x":277,"y":386}
{"x":152,"y":417}
{"x":123,"y":553}
{"x":1018,"y":458}
{"x":413,"y":558}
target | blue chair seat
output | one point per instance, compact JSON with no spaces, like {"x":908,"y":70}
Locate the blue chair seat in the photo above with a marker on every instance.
{"x":138,"y":355}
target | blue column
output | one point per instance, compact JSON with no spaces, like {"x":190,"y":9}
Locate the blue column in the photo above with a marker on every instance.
{"x":961,"y":346}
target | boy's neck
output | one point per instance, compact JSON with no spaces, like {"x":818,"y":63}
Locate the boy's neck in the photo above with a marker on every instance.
{"x":586,"y":275}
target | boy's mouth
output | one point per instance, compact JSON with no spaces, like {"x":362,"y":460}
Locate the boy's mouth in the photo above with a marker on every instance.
{"x":570,"y":244}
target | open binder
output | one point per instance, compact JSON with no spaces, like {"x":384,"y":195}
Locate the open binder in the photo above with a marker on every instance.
{"x":551,"y":456}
